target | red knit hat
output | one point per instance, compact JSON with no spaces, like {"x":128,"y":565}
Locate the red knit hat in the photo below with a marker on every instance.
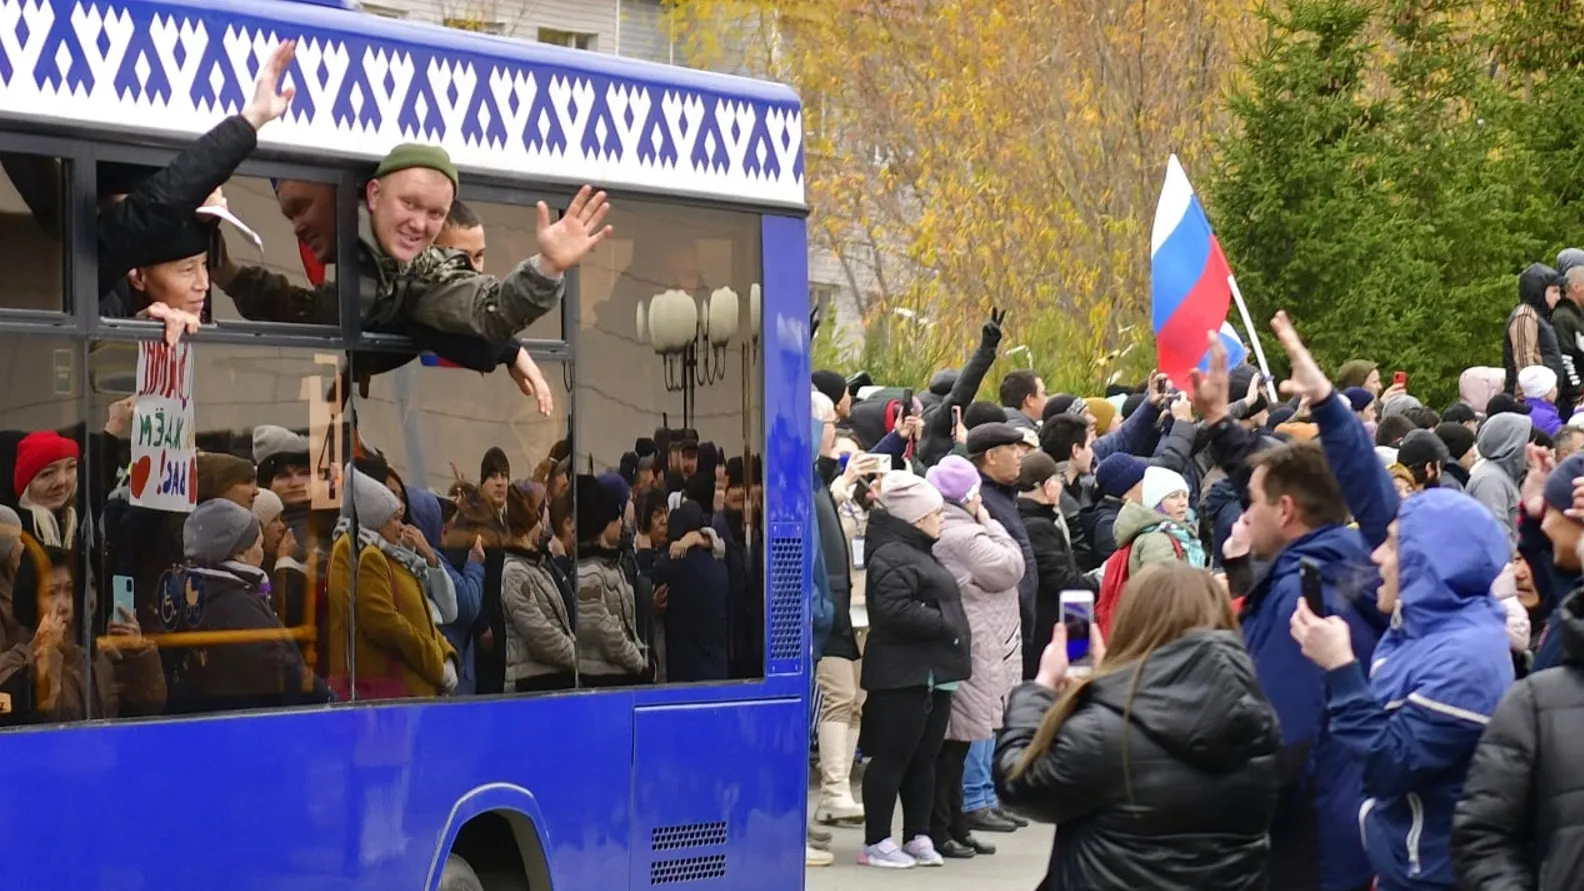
{"x":37,"y":451}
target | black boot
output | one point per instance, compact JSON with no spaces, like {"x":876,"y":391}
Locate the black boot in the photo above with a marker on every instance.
{"x":987,"y":820}
{"x":1010,"y":817}
{"x":980,"y":847}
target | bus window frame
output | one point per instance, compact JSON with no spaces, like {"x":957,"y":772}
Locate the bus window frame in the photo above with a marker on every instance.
{"x":80,"y":324}
{"x":98,"y":325}
{"x":77,"y":156}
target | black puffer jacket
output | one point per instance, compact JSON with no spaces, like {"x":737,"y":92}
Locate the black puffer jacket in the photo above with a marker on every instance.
{"x":918,"y":630}
{"x":1520,"y":822}
{"x":1058,"y":572}
{"x":1192,"y":806}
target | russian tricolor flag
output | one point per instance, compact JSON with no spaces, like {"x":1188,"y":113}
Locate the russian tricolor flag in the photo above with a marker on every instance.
{"x":1190,"y":284}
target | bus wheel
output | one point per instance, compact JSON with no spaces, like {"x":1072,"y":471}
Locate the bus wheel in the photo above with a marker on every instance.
{"x":457,"y":875}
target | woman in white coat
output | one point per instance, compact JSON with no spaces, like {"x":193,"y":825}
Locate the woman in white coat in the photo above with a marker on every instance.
{"x":987,"y":563}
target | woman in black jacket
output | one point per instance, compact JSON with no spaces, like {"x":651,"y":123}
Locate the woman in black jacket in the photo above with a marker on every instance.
{"x":1520,"y":821}
{"x":1160,"y":770}
{"x":917,"y":653}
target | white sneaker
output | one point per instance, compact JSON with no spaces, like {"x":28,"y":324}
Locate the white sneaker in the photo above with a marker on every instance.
{"x":922,"y":850}
{"x":885,"y":855}
{"x":815,"y":857}
{"x":839,"y":813}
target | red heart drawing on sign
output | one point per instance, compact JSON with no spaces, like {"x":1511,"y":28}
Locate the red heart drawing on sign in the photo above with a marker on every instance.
{"x":140,"y":475}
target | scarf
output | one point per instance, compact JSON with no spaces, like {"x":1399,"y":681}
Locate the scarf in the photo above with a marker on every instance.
{"x":408,"y":559}
{"x":46,"y":527}
{"x":1193,"y":549}
{"x":253,"y":576}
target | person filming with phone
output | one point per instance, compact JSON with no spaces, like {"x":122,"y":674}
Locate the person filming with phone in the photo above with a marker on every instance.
{"x":1159,"y":767}
{"x":1411,"y":721}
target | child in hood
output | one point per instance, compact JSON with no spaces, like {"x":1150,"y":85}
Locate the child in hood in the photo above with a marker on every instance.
{"x":1539,"y":386}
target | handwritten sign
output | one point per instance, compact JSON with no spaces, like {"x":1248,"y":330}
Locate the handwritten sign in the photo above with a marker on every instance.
{"x":164,"y":451}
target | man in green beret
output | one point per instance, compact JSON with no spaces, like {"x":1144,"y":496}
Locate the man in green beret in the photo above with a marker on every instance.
{"x":409,"y":286}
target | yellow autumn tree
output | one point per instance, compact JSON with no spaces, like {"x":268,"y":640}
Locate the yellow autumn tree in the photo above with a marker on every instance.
{"x":966,"y":154}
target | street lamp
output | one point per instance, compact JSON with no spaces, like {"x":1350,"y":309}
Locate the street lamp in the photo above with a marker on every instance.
{"x":690,"y":342}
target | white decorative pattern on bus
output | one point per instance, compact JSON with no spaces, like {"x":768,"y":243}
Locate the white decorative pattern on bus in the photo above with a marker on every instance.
{"x":176,"y":70}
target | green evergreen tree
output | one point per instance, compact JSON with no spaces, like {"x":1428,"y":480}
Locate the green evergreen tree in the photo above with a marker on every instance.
{"x":1371,"y":190}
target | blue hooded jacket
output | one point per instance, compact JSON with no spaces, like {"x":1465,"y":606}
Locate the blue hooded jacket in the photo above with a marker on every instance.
{"x":1322,"y":781}
{"x":1435,"y":679}
{"x":424,"y":512}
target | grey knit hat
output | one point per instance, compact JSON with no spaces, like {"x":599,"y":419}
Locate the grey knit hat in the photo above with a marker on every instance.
{"x":374,"y":502}
{"x":218,"y":530}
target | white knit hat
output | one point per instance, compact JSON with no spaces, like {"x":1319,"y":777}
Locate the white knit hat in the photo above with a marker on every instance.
{"x":1159,"y":483}
{"x":1537,"y":381}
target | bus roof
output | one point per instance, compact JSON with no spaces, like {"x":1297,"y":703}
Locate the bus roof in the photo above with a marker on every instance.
{"x":174,"y":68}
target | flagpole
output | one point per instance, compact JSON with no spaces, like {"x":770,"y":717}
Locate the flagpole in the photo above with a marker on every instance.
{"x":1248,"y":325}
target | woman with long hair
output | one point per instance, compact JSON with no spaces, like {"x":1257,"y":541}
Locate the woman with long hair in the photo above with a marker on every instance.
{"x":1159,"y":770}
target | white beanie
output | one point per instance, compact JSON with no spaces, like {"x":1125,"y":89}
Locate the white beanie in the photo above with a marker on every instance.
{"x":375,"y":503}
{"x":1537,"y":381}
{"x":267,"y":506}
{"x":824,"y":410}
{"x":1159,"y":483}
{"x":1577,"y":421}
{"x":1387,"y":455}
{"x":909,"y":497}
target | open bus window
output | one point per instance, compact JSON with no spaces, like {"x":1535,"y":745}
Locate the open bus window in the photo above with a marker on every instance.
{"x":668,"y":395}
{"x":497,"y":237}
{"x":463,"y":546}
{"x":47,"y":617}
{"x":291,"y":277}
{"x":218,"y":504}
{"x":31,"y":216}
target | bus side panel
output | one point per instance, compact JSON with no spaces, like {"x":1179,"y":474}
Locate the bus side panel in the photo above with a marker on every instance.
{"x":718,"y":795}
{"x":300,"y":801}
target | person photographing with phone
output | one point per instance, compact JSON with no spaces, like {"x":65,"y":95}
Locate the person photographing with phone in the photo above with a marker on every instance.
{"x":1167,"y":745}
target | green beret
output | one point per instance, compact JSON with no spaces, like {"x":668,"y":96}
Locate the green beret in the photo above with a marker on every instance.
{"x":411,"y":154}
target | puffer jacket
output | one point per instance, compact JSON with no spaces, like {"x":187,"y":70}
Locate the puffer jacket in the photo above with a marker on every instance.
{"x":1000,"y":502}
{"x":1532,"y":284}
{"x":1520,"y":822}
{"x":918,"y":631}
{"x":1435,"y":679}
{"x":1058,"y":571}
{"x":987,"y":564}
{"x":1141,"y":527}
{"x":540,"y":639}
{"x":607,"y":640}
{"x":1167,"y":782}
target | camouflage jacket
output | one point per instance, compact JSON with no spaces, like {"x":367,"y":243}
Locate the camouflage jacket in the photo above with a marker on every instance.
{"x":438,"y":289}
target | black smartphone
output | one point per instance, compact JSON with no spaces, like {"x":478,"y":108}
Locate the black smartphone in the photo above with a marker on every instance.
{"x":907,"y":404}
{"x":1313,"y":586}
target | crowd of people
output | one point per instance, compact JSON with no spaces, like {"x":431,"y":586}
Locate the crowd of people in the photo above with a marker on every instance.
{"x":1335,"y":635}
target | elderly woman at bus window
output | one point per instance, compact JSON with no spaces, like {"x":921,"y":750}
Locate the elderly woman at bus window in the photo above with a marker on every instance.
{"x":45,"y":481}
{"x":399,"y":650}
{"x":541,"y":643}
{"x":153,"y":250}
{"x":224,"y":544}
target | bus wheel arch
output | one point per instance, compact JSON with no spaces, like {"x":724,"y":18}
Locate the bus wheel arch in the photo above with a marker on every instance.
{"x":496,"y":832}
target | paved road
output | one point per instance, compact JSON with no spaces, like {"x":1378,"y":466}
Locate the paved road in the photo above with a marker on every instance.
{"x":1018,"y":865}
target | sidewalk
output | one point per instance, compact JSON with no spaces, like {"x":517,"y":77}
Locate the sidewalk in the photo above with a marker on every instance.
{"x":1018,"y":865}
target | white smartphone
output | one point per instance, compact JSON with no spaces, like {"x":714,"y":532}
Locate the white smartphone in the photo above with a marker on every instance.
{"x":875,"y":463}
{"x":1077,"y":611}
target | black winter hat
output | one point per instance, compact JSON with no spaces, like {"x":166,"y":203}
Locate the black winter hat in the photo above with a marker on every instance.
{"x":830,"y":384}
{"x":494,"y":464}
{"x":596,"y":508}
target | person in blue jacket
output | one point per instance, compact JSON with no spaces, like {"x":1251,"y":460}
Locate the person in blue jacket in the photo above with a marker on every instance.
{"x":1295,"y":510}
{"x":1435,"y":680}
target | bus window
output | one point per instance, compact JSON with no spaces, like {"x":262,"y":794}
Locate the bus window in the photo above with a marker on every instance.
{"x":668,"y":396}
{"x":292,"y":277}
{"x":31,"y":214}
{"x":497,"y":237}
{"x":218,"y":503}
{"x":481,"y":478}
{"x":45,"y":618}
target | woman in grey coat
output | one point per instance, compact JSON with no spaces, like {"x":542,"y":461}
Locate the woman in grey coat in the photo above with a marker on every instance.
{"x":987,"y":563}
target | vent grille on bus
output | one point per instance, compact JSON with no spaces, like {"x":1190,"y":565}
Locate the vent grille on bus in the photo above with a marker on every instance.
{"x":786,"y":598}
{"x":687,"y":835}
{"x":687,"y":869}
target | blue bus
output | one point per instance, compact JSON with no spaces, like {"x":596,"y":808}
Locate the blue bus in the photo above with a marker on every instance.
{"x":679,"y":350}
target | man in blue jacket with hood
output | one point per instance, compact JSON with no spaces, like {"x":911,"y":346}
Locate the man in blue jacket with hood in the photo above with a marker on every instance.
{"x":1295,"y":511}
{"x":1413,"y":718}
